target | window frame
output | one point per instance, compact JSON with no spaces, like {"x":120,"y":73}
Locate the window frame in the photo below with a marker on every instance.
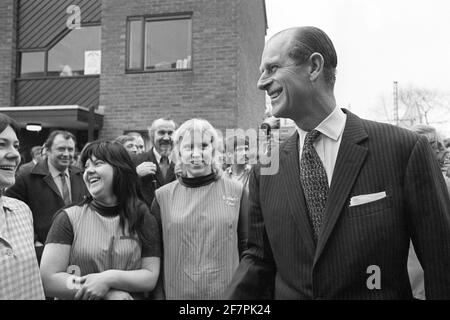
{"x":46,"y":50}
{"x":149,"y":18}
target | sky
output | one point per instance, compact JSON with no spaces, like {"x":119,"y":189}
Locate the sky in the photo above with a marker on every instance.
{"x":377,"y":42}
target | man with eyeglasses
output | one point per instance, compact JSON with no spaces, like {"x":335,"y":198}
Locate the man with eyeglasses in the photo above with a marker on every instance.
{"x":335,"y":221}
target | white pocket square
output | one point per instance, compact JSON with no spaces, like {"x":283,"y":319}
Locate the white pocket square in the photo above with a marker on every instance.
{"x":366,"y":198}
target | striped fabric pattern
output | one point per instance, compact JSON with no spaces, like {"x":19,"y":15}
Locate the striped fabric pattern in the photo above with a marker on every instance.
{"x":199,"y":227}
{"x":99,"y":244}
{"x":373,"y":157}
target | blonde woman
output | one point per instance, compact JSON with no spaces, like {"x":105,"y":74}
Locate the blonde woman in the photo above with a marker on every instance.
{"x":200,"y":218}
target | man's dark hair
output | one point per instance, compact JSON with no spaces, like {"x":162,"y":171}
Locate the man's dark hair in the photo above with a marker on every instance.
{"x":66,"y":135}
{"x":6,"y":121}
{"x":306,"y":41}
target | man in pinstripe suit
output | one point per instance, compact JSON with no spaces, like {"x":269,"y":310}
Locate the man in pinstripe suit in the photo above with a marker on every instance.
{"x":380,"y":186}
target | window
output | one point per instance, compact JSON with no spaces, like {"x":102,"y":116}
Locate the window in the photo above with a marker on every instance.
{"x":159,"y":43}
{"x":77,"y":53}
{"x":32,"y":64}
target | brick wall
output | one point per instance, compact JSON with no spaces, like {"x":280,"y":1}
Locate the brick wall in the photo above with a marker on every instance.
{"x":7,"y":45}
{"x":252,"y":30}
{"x":210,"y":91}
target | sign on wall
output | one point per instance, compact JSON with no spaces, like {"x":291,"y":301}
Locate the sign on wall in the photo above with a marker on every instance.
{"x":92,"y":62}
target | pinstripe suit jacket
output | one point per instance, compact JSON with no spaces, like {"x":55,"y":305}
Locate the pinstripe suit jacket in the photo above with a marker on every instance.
{"x":282,"y":260}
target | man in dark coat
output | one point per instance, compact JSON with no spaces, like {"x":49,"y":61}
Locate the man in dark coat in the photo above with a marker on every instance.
{"x":336,"y":220}
{"x":35,"y":158}
{"x":43,"y":188}
{"x":155,"y":167}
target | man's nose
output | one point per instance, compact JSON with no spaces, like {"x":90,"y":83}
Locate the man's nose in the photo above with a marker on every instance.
{"x":263,"y":82}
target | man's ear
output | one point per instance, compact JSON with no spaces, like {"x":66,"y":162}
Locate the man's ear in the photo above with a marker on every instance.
{"x":316,"y":62}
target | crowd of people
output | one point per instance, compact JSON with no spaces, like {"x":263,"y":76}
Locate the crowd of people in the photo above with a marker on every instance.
{"x":193,"y":218}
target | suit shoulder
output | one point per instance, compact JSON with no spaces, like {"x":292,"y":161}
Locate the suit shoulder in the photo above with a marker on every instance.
{"x":26,"y":167}
{"x":143,"y":157}
{"x":390,"y":134}
{"x":75,"y":170}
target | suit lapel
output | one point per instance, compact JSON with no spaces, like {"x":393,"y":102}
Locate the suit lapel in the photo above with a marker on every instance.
{"x":349,"y":161}
{"x":75,"y":187}
{"x":290,"y":172}
{"x":171,"y":172}
{"x":41,"y":169}
{"x":48,"y":179}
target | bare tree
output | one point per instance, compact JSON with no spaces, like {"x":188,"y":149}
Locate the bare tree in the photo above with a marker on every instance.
{"x":422,"y":105}
{"x":383,"y":110}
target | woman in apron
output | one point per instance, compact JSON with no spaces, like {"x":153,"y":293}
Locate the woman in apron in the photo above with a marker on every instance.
{"x":108,"y":246}
{"x":200,"y":218}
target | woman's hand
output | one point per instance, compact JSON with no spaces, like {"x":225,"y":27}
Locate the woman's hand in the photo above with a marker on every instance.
{"x":95,"y":286}
{"x":114,"y":294}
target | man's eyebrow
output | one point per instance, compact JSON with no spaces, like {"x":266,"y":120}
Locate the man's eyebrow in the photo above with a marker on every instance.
{"x":267,"y":64}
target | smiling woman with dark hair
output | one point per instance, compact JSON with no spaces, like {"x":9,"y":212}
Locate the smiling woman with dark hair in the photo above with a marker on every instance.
{"x":19,"y":275}
{"x":110,"y":239}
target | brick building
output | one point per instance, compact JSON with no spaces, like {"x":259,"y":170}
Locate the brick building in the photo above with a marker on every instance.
{"x":104,"y":67}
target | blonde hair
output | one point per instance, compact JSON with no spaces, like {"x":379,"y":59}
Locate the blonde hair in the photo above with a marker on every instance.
{"x":188,"y":127}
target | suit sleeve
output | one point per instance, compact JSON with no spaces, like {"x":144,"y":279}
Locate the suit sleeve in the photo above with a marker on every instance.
{"x":428,"y":207}
{"x":254,"y":278}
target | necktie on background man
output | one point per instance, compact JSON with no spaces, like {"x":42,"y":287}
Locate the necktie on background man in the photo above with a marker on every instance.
{"x":164,"y":166}
{"x":314,"y":182}
{"x":65,"y":188}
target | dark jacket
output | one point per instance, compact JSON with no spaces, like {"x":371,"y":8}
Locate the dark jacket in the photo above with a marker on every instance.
{"x":38,"y":190}
{"x":150,"y":183}
{"x":26,"y":167}
{"x":354,"y":241}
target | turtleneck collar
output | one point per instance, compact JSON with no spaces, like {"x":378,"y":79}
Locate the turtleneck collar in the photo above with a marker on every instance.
{"x":198,"y":181}
{"x":104,"y":210}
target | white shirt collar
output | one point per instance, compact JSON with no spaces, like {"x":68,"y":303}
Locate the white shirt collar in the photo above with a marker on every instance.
{"x":332,"y":126}
{"x":158,"y":156}
{"x":55,"y":172}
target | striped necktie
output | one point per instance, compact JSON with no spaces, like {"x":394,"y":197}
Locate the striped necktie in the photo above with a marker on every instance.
{"x":65,"y":188}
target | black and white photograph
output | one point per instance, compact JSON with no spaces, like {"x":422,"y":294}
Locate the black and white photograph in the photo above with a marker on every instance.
{"x":224,"y":154}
